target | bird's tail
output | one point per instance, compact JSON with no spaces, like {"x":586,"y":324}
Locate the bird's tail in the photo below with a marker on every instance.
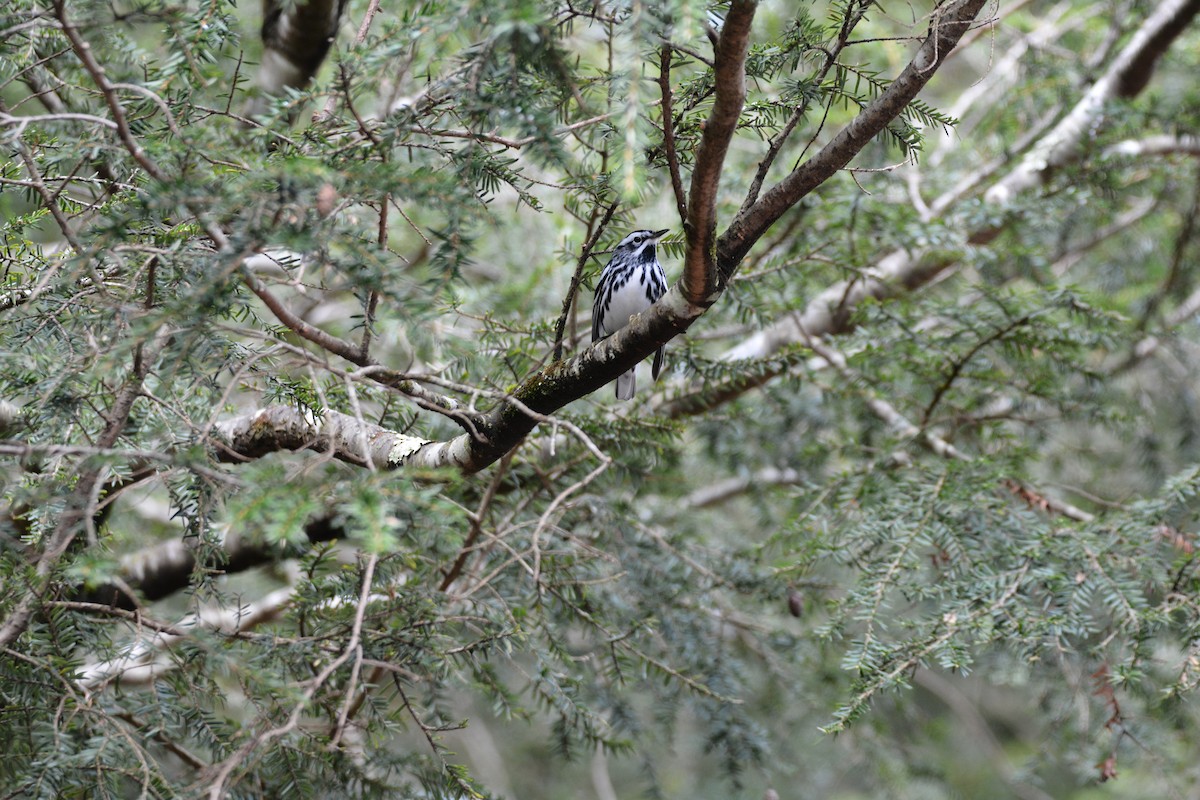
{"x":626,"y":384}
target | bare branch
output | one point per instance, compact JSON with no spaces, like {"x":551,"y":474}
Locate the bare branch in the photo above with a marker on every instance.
{"x":721,"y":491}
{"x":20,"y":123}
{"x":319,"y":337}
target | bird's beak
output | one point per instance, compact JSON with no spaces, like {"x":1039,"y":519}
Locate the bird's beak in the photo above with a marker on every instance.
{"x":659,"y":234}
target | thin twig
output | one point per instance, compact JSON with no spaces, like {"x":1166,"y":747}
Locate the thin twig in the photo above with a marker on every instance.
{"x":853,"y":15}
{"x":588,"y":246}
{"x":476,"y":524}
{"x":668,"y":125}
{"x":353,"y":646}
{"x":83,"y":52}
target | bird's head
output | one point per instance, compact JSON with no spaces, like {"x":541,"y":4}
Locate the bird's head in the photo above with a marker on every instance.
{"x":640,"y":244}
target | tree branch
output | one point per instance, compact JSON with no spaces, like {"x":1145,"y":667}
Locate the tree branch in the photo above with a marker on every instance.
{"x":700,"y":283}
{"x":903,"y":271}
{"x":276,"y":428}
{"x":852,"y":16}
{"x":561,"y":326}
{"x":358,"y":355}
{"x":166,"y":568}
{"x":948,"y":26}
{"x":1161,"y":145}
{"x":83,"y":52}
{"x":723,"y":490}
{"x":77,"y":507}
{"x":1125,"y":78}
{"x":668,"y":126}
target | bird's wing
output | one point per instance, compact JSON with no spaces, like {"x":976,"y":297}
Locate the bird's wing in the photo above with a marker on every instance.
{"x":601,"y":286}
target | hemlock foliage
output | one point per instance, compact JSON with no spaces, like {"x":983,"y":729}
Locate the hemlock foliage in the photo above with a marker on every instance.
{"x":938,"y":542}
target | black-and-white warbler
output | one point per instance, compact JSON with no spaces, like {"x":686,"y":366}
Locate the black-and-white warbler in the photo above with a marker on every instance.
{"x":297,"y":35}
{"x":631,"y":282}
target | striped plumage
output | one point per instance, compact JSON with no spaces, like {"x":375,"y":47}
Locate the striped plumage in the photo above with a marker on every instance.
{"x":631,"y":282}
{"x":296,"y":38}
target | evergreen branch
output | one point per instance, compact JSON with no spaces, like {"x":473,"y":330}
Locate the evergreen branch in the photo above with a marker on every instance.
{"x":951,"y":626}
{"x":353,"y":647}
{"x":960,"y":363}
{"x":853,"y":14}
{"x":83,"y":52}
{"x":950,"y":22}
{"x":77,"y":511}
{"x":902,"y":271}
{"x":891,"y":416}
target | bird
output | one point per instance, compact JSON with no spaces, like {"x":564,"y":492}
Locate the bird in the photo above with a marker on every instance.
{"x":631,"y":282}
{"x":296,"y":38}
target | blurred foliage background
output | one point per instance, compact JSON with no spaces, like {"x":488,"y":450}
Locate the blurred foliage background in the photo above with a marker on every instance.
{"x":944,"y":549}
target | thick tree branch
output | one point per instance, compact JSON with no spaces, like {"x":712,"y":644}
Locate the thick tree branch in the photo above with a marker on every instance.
{"x":902,"y":271}
{"x":343,"y":436}
{"x":278,"y":428}
{"x":1161,"y":145}
{"x":948,"y":26}
{"x":166,"y":568}
{"x":699,"y":283}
